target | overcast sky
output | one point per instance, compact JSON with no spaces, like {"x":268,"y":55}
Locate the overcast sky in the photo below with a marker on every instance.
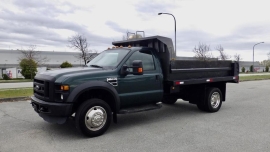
{"x":234,"y":24}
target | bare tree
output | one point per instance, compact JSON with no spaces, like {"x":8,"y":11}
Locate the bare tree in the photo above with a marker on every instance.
{"x":222,"y":54}
{"x":92,"y":55}
{"x":202,"y":52}
{"x":79,"y":42}
{"x":34,"y":55}
{"x":237,"y":57}
{"x":125,"y":36}
{"x":265,"y":62}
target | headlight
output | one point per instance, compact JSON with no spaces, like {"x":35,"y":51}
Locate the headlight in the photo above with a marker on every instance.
{"x":64,"y":87}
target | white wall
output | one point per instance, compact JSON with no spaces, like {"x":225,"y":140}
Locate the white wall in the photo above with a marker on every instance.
{"x":10,"y":57}
{"x":19,"y":75}
{"x":1,"y":73}
{"x":41,"y":69}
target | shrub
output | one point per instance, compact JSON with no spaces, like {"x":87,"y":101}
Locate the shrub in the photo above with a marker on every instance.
{"x":29,"y":68}
{"x":243,"y":69}
{"x":5,"y":77}
{"x":251,"y":68}
{"x":267,"y":68}
{"x":66,"y":65}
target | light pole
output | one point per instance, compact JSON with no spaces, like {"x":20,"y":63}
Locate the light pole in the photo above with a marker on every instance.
{"x":253,"y":55}
{"x":174,"y":29}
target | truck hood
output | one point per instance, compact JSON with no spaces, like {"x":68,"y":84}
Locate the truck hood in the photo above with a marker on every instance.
{"x":66,"y":71}
{"x":76,"y":76}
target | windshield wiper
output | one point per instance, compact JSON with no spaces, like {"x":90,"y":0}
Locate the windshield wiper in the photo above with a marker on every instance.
{"x":96,"y":66}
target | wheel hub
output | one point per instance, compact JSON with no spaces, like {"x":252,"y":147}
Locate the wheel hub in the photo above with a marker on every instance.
{"x":95,"y":118}
{"x":215,"y":100}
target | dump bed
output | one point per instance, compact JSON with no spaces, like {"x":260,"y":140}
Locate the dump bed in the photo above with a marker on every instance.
{"x":185,"y":71}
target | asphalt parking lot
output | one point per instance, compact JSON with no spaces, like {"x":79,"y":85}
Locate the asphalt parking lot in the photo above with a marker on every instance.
{"x":242,"y":124}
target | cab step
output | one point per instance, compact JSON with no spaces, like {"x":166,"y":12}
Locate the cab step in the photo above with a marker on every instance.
{"x":140,"y":108}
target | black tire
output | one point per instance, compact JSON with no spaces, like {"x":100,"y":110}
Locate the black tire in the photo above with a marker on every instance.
{"x":169,"y":100}
{"x":213,"y":107}
{"x":96,"y":109}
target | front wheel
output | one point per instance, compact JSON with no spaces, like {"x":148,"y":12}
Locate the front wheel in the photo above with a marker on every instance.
{"x":93,"y":117}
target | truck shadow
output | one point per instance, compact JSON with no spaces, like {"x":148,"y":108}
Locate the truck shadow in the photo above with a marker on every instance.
{"x":65,"y":131}
{"x":167,"y":114}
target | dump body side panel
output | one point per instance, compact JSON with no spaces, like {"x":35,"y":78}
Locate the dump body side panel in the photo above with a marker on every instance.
{"x":174,"y":70}
{"x":194,"y":69}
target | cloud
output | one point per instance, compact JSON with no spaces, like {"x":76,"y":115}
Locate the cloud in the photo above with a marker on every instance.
{"x":245,"y":37}
{"x":115,"y":27}
{"x":151,"y":8}
{"x":240,"y":39}
{"x":37,"y":24}
{"x":45,"y":8}
{"x":50,"y":23}
{"x":43,"y":21}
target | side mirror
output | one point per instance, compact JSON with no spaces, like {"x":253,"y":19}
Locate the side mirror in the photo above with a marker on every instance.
{"x":137,"y":68}
{"x":124,"y":70}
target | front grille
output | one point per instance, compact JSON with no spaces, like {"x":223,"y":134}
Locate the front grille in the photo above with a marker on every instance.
{"x":41,"y":89}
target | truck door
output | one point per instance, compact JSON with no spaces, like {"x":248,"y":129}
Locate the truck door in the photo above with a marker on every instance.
{"x":141,"y":89}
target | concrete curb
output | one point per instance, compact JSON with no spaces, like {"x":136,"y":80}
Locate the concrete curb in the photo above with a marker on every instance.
{"x":14,"y":99}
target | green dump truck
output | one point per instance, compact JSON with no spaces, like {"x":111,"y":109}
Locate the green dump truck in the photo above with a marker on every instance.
{"x":136,"y":76}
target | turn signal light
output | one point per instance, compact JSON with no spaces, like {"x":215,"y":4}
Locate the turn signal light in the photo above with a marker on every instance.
{"x":64,"y":87}
{"x":140,"y":70}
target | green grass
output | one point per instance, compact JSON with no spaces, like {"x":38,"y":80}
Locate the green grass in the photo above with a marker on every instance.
{"x":254,"y":77}
{"x":15,"y":80}
{"x":253,"y":72}
{"x":12,"y":93}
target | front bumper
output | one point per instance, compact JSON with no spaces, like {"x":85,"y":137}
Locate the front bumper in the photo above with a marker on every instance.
{"x":52,"y":112}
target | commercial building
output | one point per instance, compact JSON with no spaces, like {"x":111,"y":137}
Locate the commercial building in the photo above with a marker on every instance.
{"x":9,"y":60}
{"x":246,"y":64}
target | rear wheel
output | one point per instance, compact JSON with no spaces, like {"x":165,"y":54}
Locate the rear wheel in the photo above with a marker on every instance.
{"x":212,"y":102}
{"x":93,"y":117}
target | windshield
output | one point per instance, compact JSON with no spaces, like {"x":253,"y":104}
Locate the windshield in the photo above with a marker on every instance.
{"x":108,"y":59}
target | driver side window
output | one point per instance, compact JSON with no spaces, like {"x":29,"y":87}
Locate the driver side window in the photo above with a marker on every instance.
{"x":145,"y":56}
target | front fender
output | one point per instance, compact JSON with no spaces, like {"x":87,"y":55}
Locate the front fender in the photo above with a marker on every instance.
{"x":94,"y":85}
